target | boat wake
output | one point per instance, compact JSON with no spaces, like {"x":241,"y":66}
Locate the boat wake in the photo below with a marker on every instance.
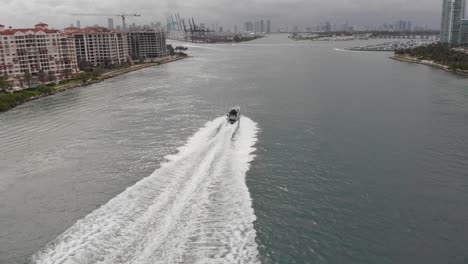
{"x":345,"y":50}
{"x":195,"y":209}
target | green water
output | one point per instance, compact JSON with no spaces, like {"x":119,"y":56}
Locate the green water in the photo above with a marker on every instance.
{"x":360,"y":159}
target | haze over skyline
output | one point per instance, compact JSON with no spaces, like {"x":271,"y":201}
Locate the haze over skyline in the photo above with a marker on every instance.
{"x":23,"y":13}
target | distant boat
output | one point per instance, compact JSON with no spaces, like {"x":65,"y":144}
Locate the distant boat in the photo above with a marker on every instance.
{"x":233,"y":115}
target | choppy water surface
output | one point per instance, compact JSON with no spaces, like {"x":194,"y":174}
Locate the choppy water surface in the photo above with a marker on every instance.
{"x":343,"y":157}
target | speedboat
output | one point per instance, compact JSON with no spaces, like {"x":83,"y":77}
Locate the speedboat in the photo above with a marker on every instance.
{"x":233,"y":115}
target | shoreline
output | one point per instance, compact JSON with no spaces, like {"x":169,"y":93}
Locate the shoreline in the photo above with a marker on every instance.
{"x":106,"y":75}
{"x":430,"y":64}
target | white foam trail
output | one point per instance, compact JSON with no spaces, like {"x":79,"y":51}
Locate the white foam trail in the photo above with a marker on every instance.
{"x":345,"y":50}
{"x":195,"y":209}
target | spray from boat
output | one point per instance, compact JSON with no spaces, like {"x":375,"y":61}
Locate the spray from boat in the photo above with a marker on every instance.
{"x":195,"y":209}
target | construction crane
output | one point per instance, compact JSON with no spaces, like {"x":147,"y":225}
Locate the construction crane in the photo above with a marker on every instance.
{"x":123,"y":16}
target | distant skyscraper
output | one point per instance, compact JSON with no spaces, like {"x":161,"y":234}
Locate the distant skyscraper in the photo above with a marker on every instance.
{"x":257,"y":27}
{"x":262,"y":26}
{"x":110,"y":23}
{"x":268,"y":27}
{"x":453,"y":11}
{"x":235,"y":28}
{"x":248,"y":27}
{"x":327,"y":27}
{"x":78,"y":24}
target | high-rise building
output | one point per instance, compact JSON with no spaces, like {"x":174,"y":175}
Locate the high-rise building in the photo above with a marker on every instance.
{"x":235,"y":28}
{"x":100,"y":46}
{"x":458,"y":13}
{"x":110,"y":23}
{"x":268,"y":27}
{"x":78,"y":24}
{"x":36,"y":49}
{"x":327,"y":26}
{"x":262,"y":26}
{"x":248,"y":26}
{"x":147,"y":44}
{"x":445,"y":23}
{"x":453,"y":11}
{"x":257,"y":27}
{"x":464,"y":32}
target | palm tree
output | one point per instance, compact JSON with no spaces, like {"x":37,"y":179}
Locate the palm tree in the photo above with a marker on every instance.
{"x":42,"y":76}
{"x":66,"y":72}
{"x":27,"y":77}
{"x":51,"y":76}
{"x":4,"y":83}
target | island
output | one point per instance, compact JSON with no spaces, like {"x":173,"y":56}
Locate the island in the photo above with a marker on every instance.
{"x":438,"y":55}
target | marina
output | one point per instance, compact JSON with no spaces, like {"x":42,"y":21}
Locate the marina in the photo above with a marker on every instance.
{"x":392,"y":46}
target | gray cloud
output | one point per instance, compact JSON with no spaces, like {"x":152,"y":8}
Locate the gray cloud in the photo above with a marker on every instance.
{"x":24,"y":13}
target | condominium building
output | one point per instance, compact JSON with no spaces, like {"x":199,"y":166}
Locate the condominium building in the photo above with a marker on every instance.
{"x":147,"y":44}
{"x":99,"y":45}
{"x":453,"y":11}
{"x":35,"y":49}
{"x":464,"y":32}
{"x":445,"y":23}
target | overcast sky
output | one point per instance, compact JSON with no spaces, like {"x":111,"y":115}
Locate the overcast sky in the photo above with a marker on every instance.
{"x":24,"y":13}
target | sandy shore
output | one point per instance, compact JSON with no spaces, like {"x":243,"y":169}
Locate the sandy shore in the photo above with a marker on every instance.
{"x":429,"y":63}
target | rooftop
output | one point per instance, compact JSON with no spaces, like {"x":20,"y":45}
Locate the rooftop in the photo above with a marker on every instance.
{"x":40,"y":27}
{"x":24,"y":30}
{"x":96,"y":29}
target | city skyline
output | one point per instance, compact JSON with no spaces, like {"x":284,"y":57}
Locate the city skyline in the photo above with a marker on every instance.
{"x":301,"y":13}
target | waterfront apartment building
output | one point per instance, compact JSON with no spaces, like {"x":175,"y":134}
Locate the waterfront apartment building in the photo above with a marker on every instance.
{"x":36,"y":49}
{"x":453,"y":11}
{"x":464,"y":32}
{"x":147,"y":44}
{"x":100,"y":46}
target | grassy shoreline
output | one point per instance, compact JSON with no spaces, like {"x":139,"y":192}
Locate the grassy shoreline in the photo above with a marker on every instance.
{"x":11,"y":100}
{"x":410,"y":59}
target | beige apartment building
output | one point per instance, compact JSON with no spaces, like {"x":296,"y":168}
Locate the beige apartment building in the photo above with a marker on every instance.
{"x":99,"y":45}
{"x":35,"y":49}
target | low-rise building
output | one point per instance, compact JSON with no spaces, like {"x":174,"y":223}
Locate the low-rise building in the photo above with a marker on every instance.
{"x":99,"y":45}
{"x":147,"y":44}
{"x":25,"y":52}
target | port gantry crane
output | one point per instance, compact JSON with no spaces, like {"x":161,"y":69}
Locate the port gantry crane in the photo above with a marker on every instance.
{"x":123,"y":16}
{"x":192,"y":33}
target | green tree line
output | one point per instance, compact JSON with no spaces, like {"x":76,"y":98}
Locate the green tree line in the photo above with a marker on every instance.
{"x":439,"y":53}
